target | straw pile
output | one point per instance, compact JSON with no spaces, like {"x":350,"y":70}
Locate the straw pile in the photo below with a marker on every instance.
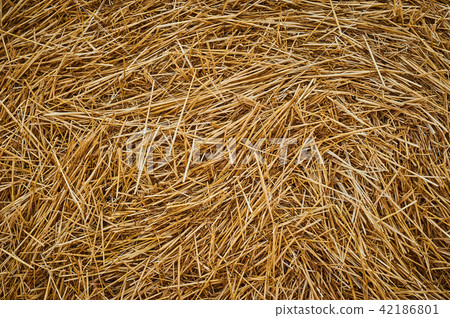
{"x":366,"y":218}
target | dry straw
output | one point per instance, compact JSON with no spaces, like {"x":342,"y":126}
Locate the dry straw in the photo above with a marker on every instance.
{"x":368,"y":79}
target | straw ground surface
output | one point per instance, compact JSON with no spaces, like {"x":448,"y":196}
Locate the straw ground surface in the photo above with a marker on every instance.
{"x":366,"y":217}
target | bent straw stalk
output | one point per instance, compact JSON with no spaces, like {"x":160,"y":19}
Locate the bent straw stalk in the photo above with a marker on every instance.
{"x":367,"y":81}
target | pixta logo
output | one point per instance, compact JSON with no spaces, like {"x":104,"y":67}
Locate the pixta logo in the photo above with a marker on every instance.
{"x":152,"y":149}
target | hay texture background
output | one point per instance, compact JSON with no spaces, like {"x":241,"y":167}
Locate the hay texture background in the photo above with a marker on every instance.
{"x":368,"y":80}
